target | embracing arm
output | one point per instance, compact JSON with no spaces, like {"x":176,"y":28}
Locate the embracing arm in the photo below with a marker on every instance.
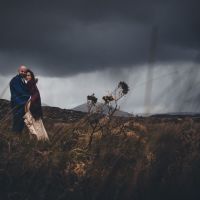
{"x":18,"y":93}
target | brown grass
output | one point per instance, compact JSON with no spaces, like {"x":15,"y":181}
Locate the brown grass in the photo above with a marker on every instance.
{"x":121,"y":158}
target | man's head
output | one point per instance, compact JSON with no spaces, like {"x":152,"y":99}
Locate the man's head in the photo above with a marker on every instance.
{"x":22,"y":71}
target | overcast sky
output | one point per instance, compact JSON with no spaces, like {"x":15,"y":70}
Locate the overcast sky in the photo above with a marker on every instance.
{"x":83,"y":46}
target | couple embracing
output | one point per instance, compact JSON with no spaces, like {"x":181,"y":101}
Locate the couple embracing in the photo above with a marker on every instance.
{"x":26,"y":104}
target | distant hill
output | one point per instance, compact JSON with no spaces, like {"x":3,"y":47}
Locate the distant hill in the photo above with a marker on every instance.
{"x":176,"y":115}
{"x":84,"y":108}
{"x":50,"y":113}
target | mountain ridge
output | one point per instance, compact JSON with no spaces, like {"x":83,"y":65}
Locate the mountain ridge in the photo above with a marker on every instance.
{"x":84,"y":108}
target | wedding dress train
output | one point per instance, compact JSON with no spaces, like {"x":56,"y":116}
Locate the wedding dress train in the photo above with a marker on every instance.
{"x":36,"y":127}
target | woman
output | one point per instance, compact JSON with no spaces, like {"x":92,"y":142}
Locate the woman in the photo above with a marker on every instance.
{"x":33,"y":109}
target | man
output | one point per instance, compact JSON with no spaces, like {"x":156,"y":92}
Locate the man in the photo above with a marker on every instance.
{"x":19,"y":97}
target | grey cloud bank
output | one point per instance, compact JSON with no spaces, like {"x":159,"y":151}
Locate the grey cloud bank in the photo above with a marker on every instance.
{"x":65,"y":38}
{"x":82,"y":46}
{"x":173,"y":89}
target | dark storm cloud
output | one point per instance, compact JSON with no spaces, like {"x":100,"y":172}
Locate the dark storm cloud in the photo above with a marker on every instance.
{"x":67,"y":37}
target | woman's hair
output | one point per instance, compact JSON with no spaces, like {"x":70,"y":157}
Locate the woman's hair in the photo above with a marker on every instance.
{"x":32,"y":75}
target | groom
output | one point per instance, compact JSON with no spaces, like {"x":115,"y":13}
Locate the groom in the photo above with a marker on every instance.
{"x":19,"y":97}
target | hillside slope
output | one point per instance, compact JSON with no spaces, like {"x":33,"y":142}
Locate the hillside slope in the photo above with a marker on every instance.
{"x":93,"y":157}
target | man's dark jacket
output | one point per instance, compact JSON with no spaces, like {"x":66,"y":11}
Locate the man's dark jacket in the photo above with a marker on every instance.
{"x":19,"y":92}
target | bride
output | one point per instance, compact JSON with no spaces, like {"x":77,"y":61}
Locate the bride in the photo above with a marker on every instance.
{"x":33,"y":110}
